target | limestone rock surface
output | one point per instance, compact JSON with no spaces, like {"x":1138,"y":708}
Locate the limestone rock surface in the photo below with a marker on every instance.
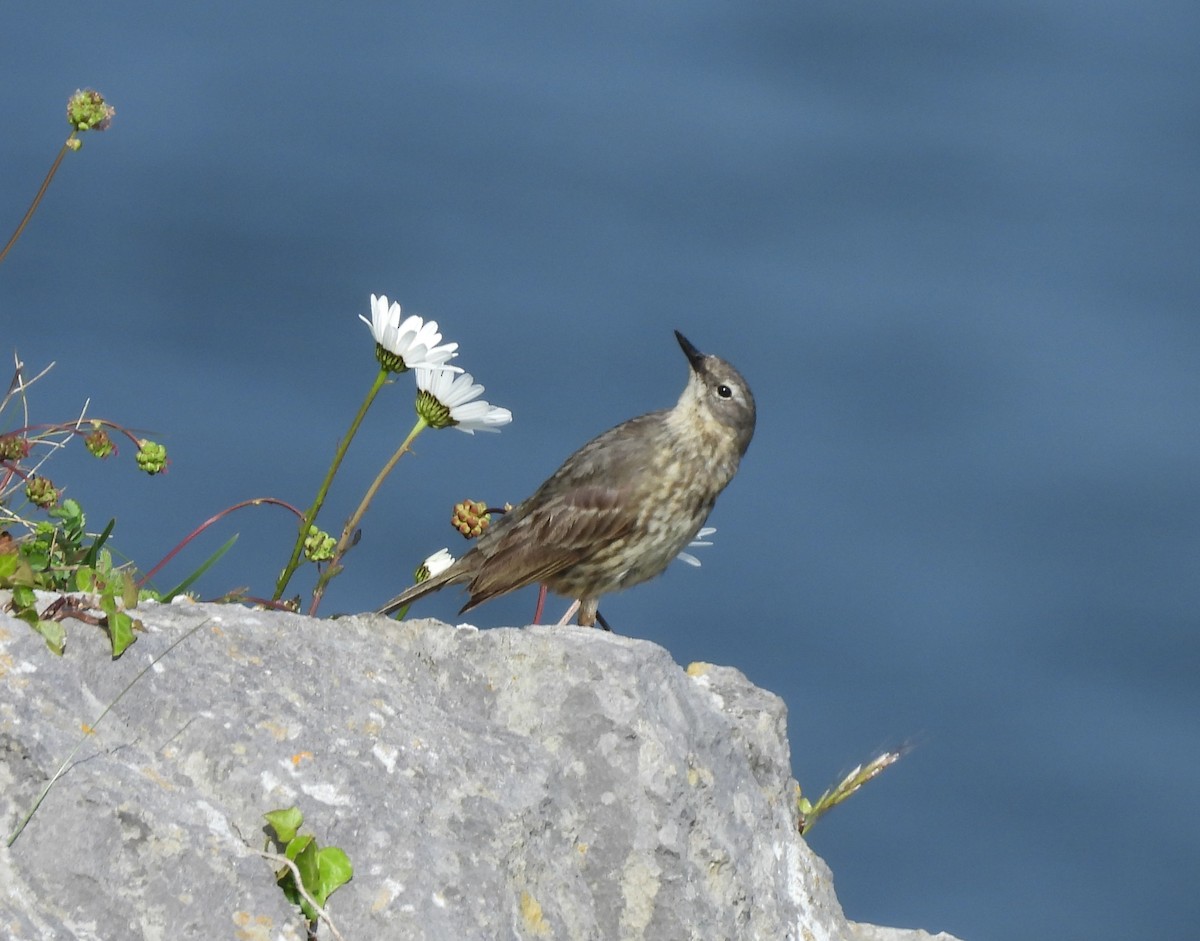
{"x":558,"y":783}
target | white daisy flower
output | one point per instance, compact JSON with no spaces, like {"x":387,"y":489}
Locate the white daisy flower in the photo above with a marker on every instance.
{"x":435,"y":565}
{"x":444,"y":400}
{"x":405,"y":344}
{"x":698,"y":543}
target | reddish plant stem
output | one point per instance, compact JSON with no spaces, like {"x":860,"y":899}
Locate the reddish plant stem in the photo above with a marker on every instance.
{"x":257,"y":501}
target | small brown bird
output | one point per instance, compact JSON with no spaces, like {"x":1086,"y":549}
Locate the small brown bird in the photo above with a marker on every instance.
{"x":621,"y":507}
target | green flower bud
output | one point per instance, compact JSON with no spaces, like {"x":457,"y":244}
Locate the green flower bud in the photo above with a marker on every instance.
{"x":13,"y":448}
{"x":151,"y":457}
{"x":99,"y":444}
{"x":41,"y":492}
{"x":318,"y":545}
{"x":87,"y":111}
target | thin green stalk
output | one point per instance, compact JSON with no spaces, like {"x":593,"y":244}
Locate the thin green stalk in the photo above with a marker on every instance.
{"x":334,"y":565}
{"x":294,"y":562}
{"x":62,"y":769}
{"x":38,"y":198}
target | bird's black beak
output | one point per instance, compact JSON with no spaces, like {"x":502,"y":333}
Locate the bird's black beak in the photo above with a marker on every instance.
{"x":695,"y":357}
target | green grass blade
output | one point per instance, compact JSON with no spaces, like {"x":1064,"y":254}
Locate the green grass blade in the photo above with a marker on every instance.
{"x":208,"y":563}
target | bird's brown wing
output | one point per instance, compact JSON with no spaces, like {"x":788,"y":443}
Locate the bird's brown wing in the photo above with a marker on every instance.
{"x":550,"y":539}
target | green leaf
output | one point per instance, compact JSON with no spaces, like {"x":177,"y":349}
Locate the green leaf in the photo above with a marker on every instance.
{"x":23,"y":599}
{"x":285,"y":823}
{"x":104,"y":564}
{"x":94,"y":549}
{"x":8,"y":565}
{"x":21,"y":575}
{"x":120,"y":624}
{"x":120,"y":632}
{"x":335,"y":870}
{"x":209,"y":563}
{"x":306,"y":862}
{"x":129,"y":590}
{"x":321,"y":870}
{"x":37,"y":555}
{"x":297,"y":845}
{"x":55,"y":635}
{"x":71,"y":514}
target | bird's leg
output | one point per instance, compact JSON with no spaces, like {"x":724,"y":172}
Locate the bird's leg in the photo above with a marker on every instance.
{"x":589,"y":614}
{"x":566,"y":618}
{"x":588,"y":609}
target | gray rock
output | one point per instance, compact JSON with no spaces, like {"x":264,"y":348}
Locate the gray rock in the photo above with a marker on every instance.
{"x":557,"y":783}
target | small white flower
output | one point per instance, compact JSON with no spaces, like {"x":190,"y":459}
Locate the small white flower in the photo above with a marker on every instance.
{"x":444,"y":400}
{"x":406,"y":344}
{"x":438,"y":562}
{"x":697,"y":543}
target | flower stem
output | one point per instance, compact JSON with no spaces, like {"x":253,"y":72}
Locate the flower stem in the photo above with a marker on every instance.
{"x":348,"y":531}
{"x":293,"y":563}
{"x":258,"y":501}
{"x":38,"y":198}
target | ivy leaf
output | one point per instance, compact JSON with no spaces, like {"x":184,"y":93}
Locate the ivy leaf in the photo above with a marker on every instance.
{"x":306,"y":862}
{"x":285,"y":823}
{"x":129,"y":590}
{"x":335,"y":871}
{"x":55,"y":635}
{"x":120,"y":625}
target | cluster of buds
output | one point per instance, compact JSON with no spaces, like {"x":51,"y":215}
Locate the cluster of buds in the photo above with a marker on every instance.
{"x":151,"y":457}
{"x":318,"y":545}
{"x":41,"y":492}
{"x":88,"y":111}
{"x":99,"y":444}
{"x":470,"y":518}
{"x":13,"y":448}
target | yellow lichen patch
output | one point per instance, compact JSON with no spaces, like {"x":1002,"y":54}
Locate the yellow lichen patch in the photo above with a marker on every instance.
{"x":371,"y":726}
{"x":276,"y":730}
{"x":300,"y":756}
{"x":699,"y":777}
{"x":640,"y":882}
{"x":698,"y":668}
{"x":386,"y":895}
{"x":531,"y":912}
{"x":157,"y":778}
{"x":234,"y":652}
{"x":252,"y":927}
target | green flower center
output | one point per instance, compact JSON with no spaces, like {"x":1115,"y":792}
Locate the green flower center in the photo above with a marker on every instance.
{"x":436,"y":415}
{"x":390,"y":361}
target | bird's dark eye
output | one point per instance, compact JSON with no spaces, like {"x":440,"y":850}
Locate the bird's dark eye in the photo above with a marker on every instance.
{"x":725,"y":392}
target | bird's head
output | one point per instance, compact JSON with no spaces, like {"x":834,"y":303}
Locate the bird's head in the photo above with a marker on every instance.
{"x":718,"y":394}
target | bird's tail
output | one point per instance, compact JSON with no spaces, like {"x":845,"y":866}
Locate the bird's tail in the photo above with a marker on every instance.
{"x":420,"y":590}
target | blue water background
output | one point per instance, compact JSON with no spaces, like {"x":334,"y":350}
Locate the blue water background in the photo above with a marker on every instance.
{"x":952,"y":246}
